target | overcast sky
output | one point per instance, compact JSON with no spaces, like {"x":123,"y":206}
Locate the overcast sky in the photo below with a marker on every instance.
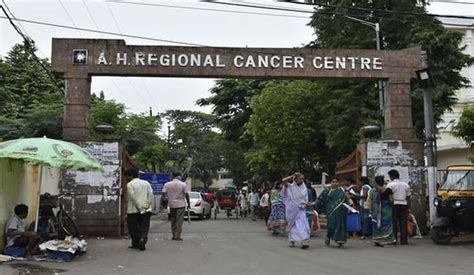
{"x":210,"y":28}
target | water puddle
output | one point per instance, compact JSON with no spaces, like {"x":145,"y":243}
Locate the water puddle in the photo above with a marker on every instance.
{"x":27,"y":268}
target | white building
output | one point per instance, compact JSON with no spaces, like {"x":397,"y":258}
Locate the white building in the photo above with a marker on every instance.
{"x":452,"y":150}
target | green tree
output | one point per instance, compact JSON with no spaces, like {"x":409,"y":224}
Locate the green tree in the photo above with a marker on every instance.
{"x":152,"y":158}
{"x":25,"y":83}
{"x":398,"y":31}
{"x":44,"y":120}
{"x":30,"y":102}
{"x":231,"y":100}
{"x":286,"y":126}
{"x":106,"y":112}
{"x":464,"y":129}
{"x":139,"y":130}
{"x":11,"y":128}
{"x":136,"y":131}
{"x":231,"y":104}
{"x":195,"y":146}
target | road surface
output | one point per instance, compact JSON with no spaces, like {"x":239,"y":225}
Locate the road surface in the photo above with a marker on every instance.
{"x":229,"y":246}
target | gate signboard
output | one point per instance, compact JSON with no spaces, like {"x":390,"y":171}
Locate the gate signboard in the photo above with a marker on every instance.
{"x":80,"y":59}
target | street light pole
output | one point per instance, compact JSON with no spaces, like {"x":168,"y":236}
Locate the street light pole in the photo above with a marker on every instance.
{"x":426,"y":82}
{"x":376,"y":27}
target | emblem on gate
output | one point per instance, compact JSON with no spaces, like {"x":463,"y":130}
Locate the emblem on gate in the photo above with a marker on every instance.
{"x":79,"y":57}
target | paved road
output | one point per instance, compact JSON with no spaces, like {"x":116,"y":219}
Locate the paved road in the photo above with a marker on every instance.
{"x":229,"y":246}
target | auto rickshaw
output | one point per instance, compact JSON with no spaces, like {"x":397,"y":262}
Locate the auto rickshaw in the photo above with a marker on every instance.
{"x":454,"y":204}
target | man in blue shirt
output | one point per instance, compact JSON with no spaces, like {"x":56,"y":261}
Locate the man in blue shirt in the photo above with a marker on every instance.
{"x":254,"y":200}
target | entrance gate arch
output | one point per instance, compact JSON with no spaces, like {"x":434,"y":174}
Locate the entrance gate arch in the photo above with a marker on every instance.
{"x":80,"y":59}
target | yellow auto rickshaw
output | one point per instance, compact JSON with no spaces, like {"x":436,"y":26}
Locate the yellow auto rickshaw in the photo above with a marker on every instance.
{"x":454,"y":204}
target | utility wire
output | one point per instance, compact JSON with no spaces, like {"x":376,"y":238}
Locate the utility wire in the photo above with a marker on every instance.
{"x":103,"y":32}
{"x":452,"y":2}
{"x":90,"y":15}
{"x":412,"y":19}
{"x":80,"y":34}
{"x":97,"y":28}
{"x":260,"y":7}
{"x":396,"y":12}
{"x":23,"y":28}
{"x":129,"y":81}
{"x":29,"y":46}
{"x":70,"y":17}
{"x":138,"y":37}
{"x":204,"y":9}
{"x":113,"y":17}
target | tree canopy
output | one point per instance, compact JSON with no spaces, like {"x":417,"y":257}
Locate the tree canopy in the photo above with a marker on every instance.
{"x":30,"y":102}
{"x":464,"y":128}
{"x":259,"y":116}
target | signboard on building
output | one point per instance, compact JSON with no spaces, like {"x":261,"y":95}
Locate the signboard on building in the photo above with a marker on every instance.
{"x":157,"y":181}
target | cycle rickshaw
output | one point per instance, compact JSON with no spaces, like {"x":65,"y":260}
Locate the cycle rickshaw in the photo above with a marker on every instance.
{"x":227,"y":200}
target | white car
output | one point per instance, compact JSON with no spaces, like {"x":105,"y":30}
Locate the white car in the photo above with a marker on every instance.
{"x":199,"y":206}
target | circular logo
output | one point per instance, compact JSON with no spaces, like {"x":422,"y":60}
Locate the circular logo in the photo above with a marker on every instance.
{"x":58,"y":149}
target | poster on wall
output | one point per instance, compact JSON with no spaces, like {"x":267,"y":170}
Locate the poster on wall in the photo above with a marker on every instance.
{"x":382,"y":153}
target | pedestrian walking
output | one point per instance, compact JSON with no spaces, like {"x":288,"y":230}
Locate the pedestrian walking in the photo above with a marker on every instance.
{"x":331,"y":202}
{"x":380,"y":207}
{"x":177,"y":198}
{"x":277,"y":222}
{"x":353,"y":192}
{"x":254,"y":201}
{"x":364,"y":207}
{"x":401,"y":205}
{"x":295,"y":197}
{"x":139,"y":207}
{"x":312,"y":196}
{"x":264,"y":205}
{"x":243,"y":203}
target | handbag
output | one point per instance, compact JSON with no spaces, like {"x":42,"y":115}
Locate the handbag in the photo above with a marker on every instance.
{"x":353,"y":222}
{"x":315,"y":222}
{"x":411,"y":226}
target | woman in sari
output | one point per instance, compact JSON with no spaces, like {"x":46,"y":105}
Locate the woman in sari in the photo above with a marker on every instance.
{"x":277,"y":221}
{"x":380,"y":207}
{"x":295,"y":197}
{"x":331,"y":202}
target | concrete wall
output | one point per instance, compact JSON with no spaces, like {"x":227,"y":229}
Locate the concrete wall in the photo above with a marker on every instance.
{"x":95,"y":204}
{"x":452,"y":150}
{"x":19,"y":184}
{"x":453,"y":157}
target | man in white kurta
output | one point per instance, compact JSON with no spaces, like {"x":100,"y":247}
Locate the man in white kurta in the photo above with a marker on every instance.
{"x":295,"y":197}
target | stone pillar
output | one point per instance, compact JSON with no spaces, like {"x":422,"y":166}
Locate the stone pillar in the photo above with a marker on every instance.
{"x":397,"y":110}
{"x":76,"y":108}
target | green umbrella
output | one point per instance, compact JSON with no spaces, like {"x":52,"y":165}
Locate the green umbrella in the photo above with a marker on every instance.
{"x":49,"y":152}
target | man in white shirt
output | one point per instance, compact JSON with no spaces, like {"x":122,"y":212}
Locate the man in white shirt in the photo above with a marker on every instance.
{"x":254,"y":201}
{"x":401,"y":205}
{"x":264,"y":205}
{"x":176,"y":196}
{"x":139,"y":207}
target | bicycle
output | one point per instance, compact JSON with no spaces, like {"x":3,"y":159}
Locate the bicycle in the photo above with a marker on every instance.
{"x":63,"y":222}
